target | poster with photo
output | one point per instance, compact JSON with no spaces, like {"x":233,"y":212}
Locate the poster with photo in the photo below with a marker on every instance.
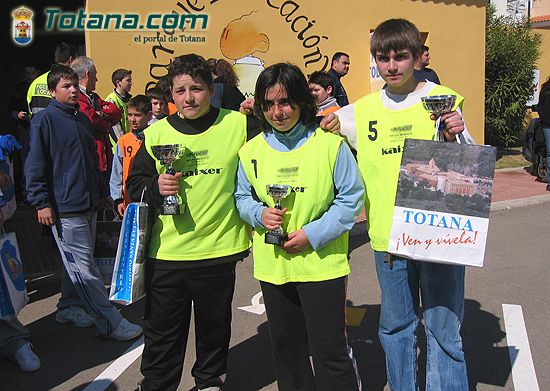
{"x":443,"y":202}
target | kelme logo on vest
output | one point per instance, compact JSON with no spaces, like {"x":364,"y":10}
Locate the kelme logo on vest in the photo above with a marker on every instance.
{"x":392,"y":150}
{"x":298,"y":189}
{"x":202,"y":171}
{"x":22,"y":26}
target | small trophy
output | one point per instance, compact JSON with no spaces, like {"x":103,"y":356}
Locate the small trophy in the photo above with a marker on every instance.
{"x":277,"y":192}
{"x":439,"y":105}
{"x":167,"y":155}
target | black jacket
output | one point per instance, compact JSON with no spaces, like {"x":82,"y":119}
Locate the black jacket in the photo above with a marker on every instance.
{"x":338,"y":91}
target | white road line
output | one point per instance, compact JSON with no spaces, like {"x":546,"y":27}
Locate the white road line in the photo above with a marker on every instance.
{"x":255,"y":307}
{"x":114,"y":370}
{"x":523,"y":370}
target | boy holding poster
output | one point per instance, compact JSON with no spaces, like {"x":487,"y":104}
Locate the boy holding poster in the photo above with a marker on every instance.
{"x":384,"y":120}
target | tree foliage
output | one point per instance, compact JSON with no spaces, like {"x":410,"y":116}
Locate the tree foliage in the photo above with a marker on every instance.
{"x":511,"y":51}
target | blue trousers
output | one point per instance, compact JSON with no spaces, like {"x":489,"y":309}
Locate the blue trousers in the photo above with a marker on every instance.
{"x":75,"y":237}
{"x":440,"y":289}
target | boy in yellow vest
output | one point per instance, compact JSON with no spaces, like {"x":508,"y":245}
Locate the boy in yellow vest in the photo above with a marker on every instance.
{"x":122,"y":80}
{"x":303,"y":280}
{"x":139,"y":114}
{"x":380,"y":122}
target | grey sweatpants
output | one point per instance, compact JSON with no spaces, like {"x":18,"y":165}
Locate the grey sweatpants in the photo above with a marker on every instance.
{"x":75,"y":237}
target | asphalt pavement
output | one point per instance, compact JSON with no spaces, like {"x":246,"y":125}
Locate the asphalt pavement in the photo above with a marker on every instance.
{"x":515,"y":273}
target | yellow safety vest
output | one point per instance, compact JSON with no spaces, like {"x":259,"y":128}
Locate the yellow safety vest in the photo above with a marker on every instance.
{"x":38,"y":94}
{"x":381,"y":134}
{"x":210,"y":226}
{"x":309,"y":170}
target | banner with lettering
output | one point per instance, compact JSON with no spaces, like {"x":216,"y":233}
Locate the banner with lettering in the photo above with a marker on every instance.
{"x":443,"y":202}
{"x":145,"y":36}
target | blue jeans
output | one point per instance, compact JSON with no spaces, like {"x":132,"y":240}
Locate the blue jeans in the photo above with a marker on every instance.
{"x":546,"y":131}
{"x":441,"y":289}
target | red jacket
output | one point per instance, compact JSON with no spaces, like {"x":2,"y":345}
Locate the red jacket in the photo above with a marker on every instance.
{"x":90,"y":103}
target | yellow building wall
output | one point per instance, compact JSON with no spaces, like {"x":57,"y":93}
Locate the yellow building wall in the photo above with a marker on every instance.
{"x":543,"y":64}
{"x":306,"y":33}
{"x":540,"y":7}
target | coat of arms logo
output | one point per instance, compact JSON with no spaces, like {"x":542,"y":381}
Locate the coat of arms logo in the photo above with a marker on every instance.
{"x":22,"y":26}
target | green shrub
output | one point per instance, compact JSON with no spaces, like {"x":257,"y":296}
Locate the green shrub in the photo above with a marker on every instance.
{"x":511,"y":51}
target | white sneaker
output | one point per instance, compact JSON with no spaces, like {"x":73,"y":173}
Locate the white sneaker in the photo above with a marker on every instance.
{"x":126,"y":331}
{"x":215,"y":388}
{"x":26,"y":359}
{"x":76,"y":315}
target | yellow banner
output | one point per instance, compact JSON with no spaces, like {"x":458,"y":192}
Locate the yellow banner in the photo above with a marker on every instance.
{"x":257,"y":33}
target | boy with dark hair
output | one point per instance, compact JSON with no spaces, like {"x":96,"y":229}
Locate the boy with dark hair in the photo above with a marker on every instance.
{"x":383,"y":120}
{"x":321,"y":87}
{"x":158,"y":104}
{"x":304,"y":280}
{"x":122,"y":81}
{"x":421,"y":70}
{"x":139,"y":115}
{"x":193,"y":255}
{"x":63,"y":183}
{"x":38,"y":96}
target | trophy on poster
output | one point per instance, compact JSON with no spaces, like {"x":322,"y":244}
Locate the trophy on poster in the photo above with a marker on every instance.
{"x":167,"y":155}
{"x":439,"y":105}
{"x":277,"y":192}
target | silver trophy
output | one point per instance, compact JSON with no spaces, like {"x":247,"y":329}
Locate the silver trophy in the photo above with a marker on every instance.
{"x":277,"y":192}
{"x":167,"y":155}
{"x":439,"y":105}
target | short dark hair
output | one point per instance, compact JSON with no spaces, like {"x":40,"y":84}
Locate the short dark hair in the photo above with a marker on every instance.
{"x":425,"y":48}
{"x":155,"y":93}
{"x":59,"y":72}
{"x":293,"y":81}
{"x":321,"y":78}
{"x":396,"y":35}
{"x":64,"y":51}
{"x":336,"y":56}
{"x":224,"y":70}
{"x":192,"y":65}
{"x":120,"y":74}
{"x":141,"y":103}
{"x":164,"y":84}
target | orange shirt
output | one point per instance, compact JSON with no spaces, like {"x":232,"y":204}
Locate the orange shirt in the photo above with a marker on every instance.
{"x":330,"y":109}
{"x":172,"y":109}
{"x":129,"y":145}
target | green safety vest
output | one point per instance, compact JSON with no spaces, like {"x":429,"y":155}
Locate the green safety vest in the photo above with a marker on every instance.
{"x":381,"y":134}
{"x":38,"y":95}
{"x":210,"y":226}
{"x":308,"y":169}
{"x":117,"y":100}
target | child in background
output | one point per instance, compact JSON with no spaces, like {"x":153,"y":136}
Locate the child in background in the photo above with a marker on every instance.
{"x":122,"y":80}
{"x":139,"y":115}
{"x":158,"y":104}
{"x":321,"y":86}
